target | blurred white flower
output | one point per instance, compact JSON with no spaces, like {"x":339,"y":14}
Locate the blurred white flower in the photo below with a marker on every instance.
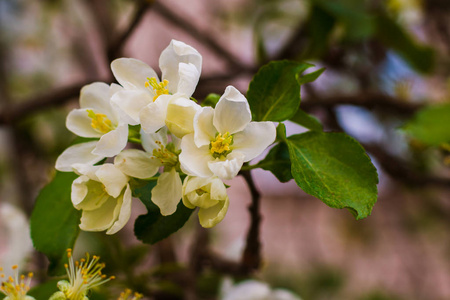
{"x":224,"y":138}
{"x":15,"y":241}
{"x":104,"y":196}
{"x":253,"y":290}
{"x":96,"y":118}
{"x":145,"y":99}
{"x":15,"y":287}
{"x":210,"y":195}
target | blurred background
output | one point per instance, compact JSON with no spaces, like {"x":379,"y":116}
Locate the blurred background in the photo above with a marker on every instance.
{"x":384,"y":60}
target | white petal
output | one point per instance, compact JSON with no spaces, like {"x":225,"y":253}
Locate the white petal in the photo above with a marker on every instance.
{"x":112,"y":178}
{"x":79,"y":190}
{"x":211,"y":216}
{"x":136,"y":163}
{"x":86,"y":170}
{"x":132,"y":73}
{"x":96,"y":96}
{"x":112,"y":142}
{"x":149,"y":140}
{"x":102,"y":218}
{"x":180,"y":116}
{"x":79,"y":123}
{"x":94,"y":198}
{"x":78,"y":153}
{"x":248,"y":290}
{"x":114,"y":88}
{"x":254,"y":139}
{"x":191,"y":185}
{"x":124,"y":212}
{"x":204,"y":130}
{"x":188,"y":79}
{"x":229,"y":168}
{"x":153,"y":116}
{"x":194,"y":160}
{"x":130,"y":103}
{"x":178,"y":52}
{"x":232,"y":112}
{"x":167,"y":192}
{"x":281,"y":294}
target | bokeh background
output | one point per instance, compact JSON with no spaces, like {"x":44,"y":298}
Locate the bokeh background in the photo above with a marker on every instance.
{"x":384,"y":60}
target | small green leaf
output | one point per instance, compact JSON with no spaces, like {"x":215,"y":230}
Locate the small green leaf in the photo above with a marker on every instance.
{"x":394,"y":36}
{"x":310,"y":77}
{"x":278,"y":162}
{"x":334,"y":168}
{"x":307,"y":121}
{"x":54,"y":221}
{"x":211,"y":100}
{"x":153,"y":227}
{"x":281,"y":132}
{"x":431,"y":125}
{"x":274,"y":92}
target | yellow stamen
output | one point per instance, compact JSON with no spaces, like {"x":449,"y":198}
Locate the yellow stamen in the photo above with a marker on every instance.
{"x":220,"y":147}
{"x":100,"y":122}
{"x":159,"y":88}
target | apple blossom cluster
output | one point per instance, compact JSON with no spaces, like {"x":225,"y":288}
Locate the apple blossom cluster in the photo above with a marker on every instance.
{"x":186,"y":148}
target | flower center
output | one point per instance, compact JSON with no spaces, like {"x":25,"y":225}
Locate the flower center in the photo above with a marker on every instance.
{"x":159,"y":88}
{"x":15,"y":288}
{"x":100,"y":122}
{"x":220,"y":147}
{"x":128,"y":295}
{"x":167,"y":155}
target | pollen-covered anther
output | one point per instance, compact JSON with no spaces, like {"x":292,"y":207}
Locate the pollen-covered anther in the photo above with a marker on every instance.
{"x":220,"y":147}
{"x":100,"y":122}
{"x":16,"y":288}
{"x":158,"y":88}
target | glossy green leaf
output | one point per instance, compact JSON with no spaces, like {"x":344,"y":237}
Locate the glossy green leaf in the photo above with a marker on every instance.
{"x":307,"y":121}
{"x":334,"y":168}
{"x":431,"y":125}
{"x":54,"y":221}
{"x":394,"y":36}
{"x":153,"y":227}
{"x":45,"y":290}
{"x":274,"y":92}
{"x":278,"y":162}
{"x":310,"y":77}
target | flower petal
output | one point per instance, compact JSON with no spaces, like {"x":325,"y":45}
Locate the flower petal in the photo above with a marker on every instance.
{"x":180,"y":116}
{"x":97,"y":96}
{"x":204,"y":130}
{"x":254,"y":139}
{"x":169,"y":62}
{"x":113,"y":142}
{"x":93,"y":198}
{"x":102,"y":218}
{"x":79,"y":123}
{"x":136,"y":163}
{"x":112,"y":178}
{"x":281,"y":294}
{"x":167,"y":192}
{"x":78,"y":153}
{"x":151,"y":141}
{"x":188,"y":79}
{"x":248,"y":290}
{"x":232,"y":112}
{"x":229,"y":168}
{"x":211,"y":216}
{"x":194,"y":160}
{"x":132,"y":73}
{"x":153,"y":116}
{"x":124,"y":212}
{"x":130,"y":103}
{"x":79,"y":190}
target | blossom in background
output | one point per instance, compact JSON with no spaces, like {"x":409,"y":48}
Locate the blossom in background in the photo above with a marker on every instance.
{"x":15,"y":241}
{"x":104,"y":196}
{"x":253,"y":290}
{"x":224,"y":138}
{"x":210,"y":195}
{"x":16,"y":287}
{"x":83,"y":276}
{"x":146,"y":100}
{"x":96,"y":118}
{"x":129,"y":295}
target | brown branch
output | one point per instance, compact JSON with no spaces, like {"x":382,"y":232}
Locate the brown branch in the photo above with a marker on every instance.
{"x":202,"y":37}
{"x":251,"y":258}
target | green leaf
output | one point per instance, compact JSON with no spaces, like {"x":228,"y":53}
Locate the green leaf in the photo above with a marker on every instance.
{"x":431,"y":125}
{"x":392,"y":35}
{"x":307,"y":121}
{"x":334,"y":168}
{"x":54,"y":221}
{"x":153,"y":227}
{"x":310,"y":77}
{"x":45,"y":290}
{"x":278,"y":162}
{"x":211,"y":100}
{"x":274,"y":92}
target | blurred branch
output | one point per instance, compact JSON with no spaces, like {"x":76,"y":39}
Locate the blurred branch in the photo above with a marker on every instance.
{"x":202,"y":37}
